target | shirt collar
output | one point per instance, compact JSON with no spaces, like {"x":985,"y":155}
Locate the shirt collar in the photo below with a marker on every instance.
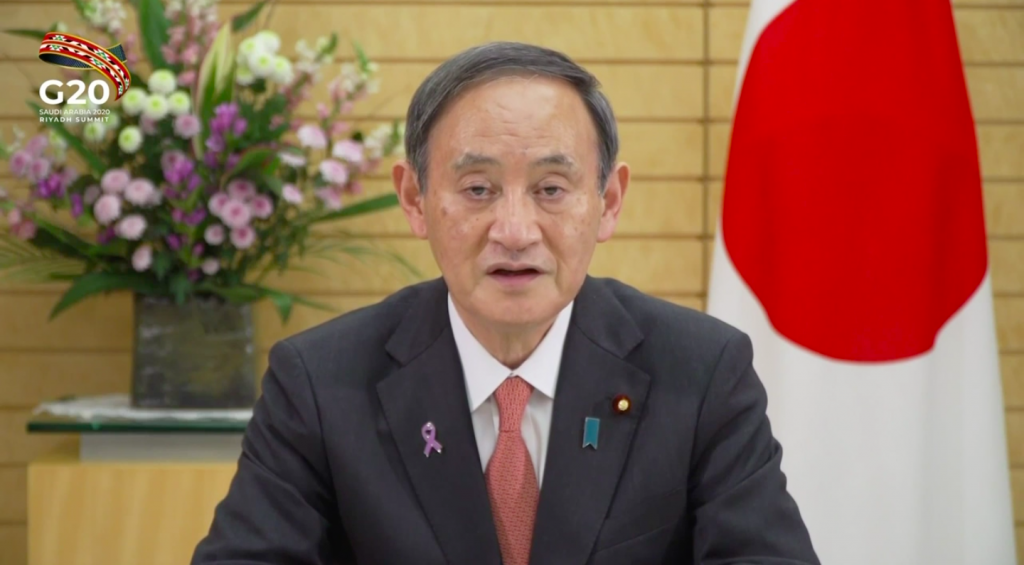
{"x":484,"y":373}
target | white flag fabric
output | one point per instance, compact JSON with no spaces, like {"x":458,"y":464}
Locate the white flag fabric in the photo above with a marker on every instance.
{"x":851,"y":248}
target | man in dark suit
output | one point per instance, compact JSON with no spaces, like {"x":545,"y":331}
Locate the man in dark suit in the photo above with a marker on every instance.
{"x":515,"y":410}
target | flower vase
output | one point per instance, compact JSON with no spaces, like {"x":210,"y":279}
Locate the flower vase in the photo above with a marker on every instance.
{"x":195,"y":355}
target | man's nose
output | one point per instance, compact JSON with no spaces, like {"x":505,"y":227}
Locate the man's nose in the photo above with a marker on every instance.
{"x":516,"y":223}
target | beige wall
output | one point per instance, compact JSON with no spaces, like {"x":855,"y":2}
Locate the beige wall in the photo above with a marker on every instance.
{"x":669,"y":68}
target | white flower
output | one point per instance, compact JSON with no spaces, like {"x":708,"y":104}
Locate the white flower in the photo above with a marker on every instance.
{"x":156,"y":107}
{"x":130,"y":139}
{"x":57,"y":141}
{"x":270,"y":41}
{"x":262,"y":64}
{"x":282,"y":72}
{"x":211,"y":266}
{"x":248,"y":49}
{"x":179,"y":103}
{"x":305,"y":52}
{"x":134,"y":101}
{"x":244,"y":76}
{"x":113,"y":121}
{"x":94,"y":131}
{"x":162,"y":82}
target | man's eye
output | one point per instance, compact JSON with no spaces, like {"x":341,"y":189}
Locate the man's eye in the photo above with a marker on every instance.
{"x":552,"y":190}
{"x":478,"y":190}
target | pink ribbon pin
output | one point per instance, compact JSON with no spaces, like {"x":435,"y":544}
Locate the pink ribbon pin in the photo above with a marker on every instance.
{"x":429,"y":433}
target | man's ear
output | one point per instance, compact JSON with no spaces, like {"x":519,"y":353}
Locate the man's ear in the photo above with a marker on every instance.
{"x":407,"y":186}
{"x":614,"y":194}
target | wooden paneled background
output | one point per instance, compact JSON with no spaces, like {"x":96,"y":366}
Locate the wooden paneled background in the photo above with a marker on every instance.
{"x":669,"y":68}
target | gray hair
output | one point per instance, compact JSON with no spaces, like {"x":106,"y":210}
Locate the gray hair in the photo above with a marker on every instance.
{"x":490,"y":61}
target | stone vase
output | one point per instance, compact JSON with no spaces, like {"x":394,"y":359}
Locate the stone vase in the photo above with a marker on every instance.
{"x":200,"y":354}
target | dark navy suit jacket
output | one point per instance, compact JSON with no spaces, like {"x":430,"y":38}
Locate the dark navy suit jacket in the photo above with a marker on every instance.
{"x":333,"y":469}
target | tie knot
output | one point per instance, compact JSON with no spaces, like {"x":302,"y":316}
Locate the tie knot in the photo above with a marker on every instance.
{"x":512,"y":396}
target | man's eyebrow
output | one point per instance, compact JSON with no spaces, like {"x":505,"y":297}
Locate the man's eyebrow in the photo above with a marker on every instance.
{"x":555,"y":159}
{"x":477,"y":159}
{"x":472,"y":160}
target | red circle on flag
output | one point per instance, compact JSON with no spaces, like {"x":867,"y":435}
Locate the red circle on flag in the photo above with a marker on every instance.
{"x":853,"y":205}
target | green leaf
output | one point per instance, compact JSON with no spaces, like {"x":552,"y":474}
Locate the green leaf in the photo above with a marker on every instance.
{"x":283,"y":302}
{"x":245,"y":19}
{"x":95,"y":163}
{"x":93,"y":283}
{"x":162,"y":265}
{"x":361,"y":58}
{"x":368,"y":206}
{"x":332,"y":44}
{"x":83,"y":9}
{"x":214,"y":85}
{"x":153,"y":26}
{"x":251,"y":158}
{"x":180,"y":286}
{"x":36,"y":34}
{"x":79,"y":246}
{"x":275,"y":185}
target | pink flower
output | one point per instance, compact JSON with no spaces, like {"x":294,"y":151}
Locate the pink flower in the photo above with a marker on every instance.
{"x":186,"y":126}
{"x":36,"y":145}
{"x":321,"y":111}
{"x":25,"y":230}
{"x":211,"y":266}
{"x":330,"y":198}
{"x":131,"y":227}
{"x":348,"y":150}
{"x":262,"y":207}
{"x":14,"y":217}
{"x":214,"y":234}
{"x":114,"y":181}
{"x":190,"y":55}
{"x":68,"y":176}
{"x":241,"y":189}
{"x":140,"y":192}
{"x":186,"y":79}
{"x":333,"y":171}
{"x":291,"y":194}
{"x":107,"y":209}
{"x":91,"y":194}
{"x":142,"y":259}
{"x":338,"y":128}
{"x":147,"y":125}
{"x":20,"y":163}
{"x":39,"y":169}
{"x":355,"y":187}
{"x":236,"y":214}
{"x":243,"y":237}
{"x":312,"y":136}
{"x":217,"y":203}
{"x":292,"y":159}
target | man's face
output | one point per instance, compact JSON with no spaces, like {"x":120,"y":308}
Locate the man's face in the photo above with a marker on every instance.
{"x":512,"y":208}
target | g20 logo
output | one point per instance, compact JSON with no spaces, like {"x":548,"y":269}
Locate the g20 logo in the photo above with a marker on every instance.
{"x":98,"y":92}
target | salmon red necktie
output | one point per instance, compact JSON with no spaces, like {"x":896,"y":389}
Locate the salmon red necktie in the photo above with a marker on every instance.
{"x":511,"y":479}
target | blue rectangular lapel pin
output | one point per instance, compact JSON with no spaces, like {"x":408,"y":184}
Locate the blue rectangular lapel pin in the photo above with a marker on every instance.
{"x":591,"y":429}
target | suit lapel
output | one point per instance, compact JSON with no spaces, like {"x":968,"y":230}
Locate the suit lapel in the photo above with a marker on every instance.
{"x":430,"y":388}
{"x":579,"y":482}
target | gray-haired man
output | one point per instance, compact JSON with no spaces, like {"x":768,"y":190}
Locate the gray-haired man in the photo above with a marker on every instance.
{"x":515,"y":410}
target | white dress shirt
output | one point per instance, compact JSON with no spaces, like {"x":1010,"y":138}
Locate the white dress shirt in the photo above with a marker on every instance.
{"x":484,"y":373}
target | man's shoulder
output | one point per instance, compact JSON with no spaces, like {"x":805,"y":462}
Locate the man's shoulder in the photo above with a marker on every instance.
{"x":670,"y":327}
{"x":366,"y":328}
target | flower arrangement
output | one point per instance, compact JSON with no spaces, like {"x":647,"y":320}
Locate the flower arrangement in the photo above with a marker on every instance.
{"x":203,"y":178}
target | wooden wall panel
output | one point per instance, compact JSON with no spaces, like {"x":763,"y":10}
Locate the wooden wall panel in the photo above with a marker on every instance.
{"x":1012,"y":366}
{"x":601,"y":33}
{"x":13,"y":544}
{"x":668,"y":67}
